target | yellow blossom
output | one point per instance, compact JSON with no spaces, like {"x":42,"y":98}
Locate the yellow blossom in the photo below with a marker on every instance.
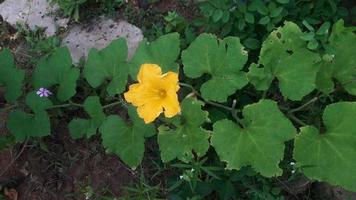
{"x":154,"y":93}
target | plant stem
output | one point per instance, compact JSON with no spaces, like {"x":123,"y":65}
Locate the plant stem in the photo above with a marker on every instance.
{"x":232,"y":109}
{"x":264,"y":94}
{"x":219,"y":105}
{"x":298,"y":121}
{"x":75,"y":104}
{"x":304,"y":105}
{"x":113,"y":104}
{"x":61,"y":106}
{"x":206,"y":101}
{"x":187,"y":85}
{"x":71,"y":103}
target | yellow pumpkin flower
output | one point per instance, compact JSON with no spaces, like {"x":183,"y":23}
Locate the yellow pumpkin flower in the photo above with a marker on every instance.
{"x":154,"y":93}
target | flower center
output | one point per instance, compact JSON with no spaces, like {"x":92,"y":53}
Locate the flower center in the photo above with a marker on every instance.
{"x":162,"y":93}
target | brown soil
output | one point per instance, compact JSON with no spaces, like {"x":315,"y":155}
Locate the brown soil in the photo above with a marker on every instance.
{"x":61,"y":168}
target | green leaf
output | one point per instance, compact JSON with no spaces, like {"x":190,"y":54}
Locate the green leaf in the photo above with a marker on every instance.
{"x":10,"y":77}
{"x":127,"y":140}
{"x":307,"y":36}
{"x":262,"y":9}
{"x":260,"y":144}
{"x":259,"y":78}
{"x":23,"y":125}
{"x":188,"y":135}
{"x":217,"y":15}
{"x":79,"y":128}
{"x":342,"y":64}
{"x":222,"y":59}
{"x":37,"y":103}
{"x":284,"y":55}
{"x":324,"y":29}
{"x":276,"y":12}
{"x":252,"y":43}
{"x":109,"y":63}
{"x":249,"y":18}
{"x":323,"y":81}
{"x":164,"y":52}
{"x":264,"y":20}
{"x":330,"y":156}
{"x":283,"y":1}
{"x":225,"y":18}
{"x":57,"y":70}
{"x":308,"y":26}
{"x":313,"y":44}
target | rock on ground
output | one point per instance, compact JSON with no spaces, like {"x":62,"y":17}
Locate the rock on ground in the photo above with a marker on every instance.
{"x":34,"y":13}
{"x":98,"y":34}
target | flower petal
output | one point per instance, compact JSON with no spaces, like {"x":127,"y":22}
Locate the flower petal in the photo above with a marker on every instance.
{"x":149,"y":112}
{"x":134,"y":95}
{"x":171,"y":81}
{"x":171,"y":104}
{"x":148,"y":72}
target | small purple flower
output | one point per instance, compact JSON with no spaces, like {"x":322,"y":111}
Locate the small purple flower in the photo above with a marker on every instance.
{"x":43,"y":92}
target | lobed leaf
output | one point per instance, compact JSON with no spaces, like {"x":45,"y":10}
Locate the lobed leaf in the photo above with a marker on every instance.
{"x":330,"y":156}
{"x":284,"y":56}
{"x":164,"y":52}
{"x":188,"y":135}
{"x":23,"y":125}
{"x":109,"y":63}
{"x":57,"y":70}
{"x":10,"y":77}
{"x":79,"y":128}
{"x":36,"y":103}
{"x":259,"y":144}
{"x":127,"y":140}
{"x":341,"y":62}
{"x":222,"y":59}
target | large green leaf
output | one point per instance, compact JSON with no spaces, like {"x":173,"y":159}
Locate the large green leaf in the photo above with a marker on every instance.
{"x":330,"y":155}
{"x":10,"y":77}
{"x":23,"y":125}
{"x":164,"y":52}
{"x":340,"y":62}
{"x":127,"y":140}
{"x":37,"y":103}
{"x":79,"y":128}
{"x":109,"y":63}
{"x":284,"y":56}
{"x":222,"y":59}
{"x":188,"y":136}
{"x":259,"y":144}
{"x":57,"y":70}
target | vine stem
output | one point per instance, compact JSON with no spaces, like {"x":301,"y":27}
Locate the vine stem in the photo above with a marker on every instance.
{"x":232,"y":109}
{"x":113,"y":104}
{"x":297,"y":120}
{"x":71,"y":103}
{"x":304,"y":105}
{"x":206,"y":101}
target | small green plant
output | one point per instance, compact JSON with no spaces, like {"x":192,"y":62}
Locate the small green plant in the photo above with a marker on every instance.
{"x":141,"y":190}
{"x":74,"y":8}
{"x":70,"y":8}
{"x":37,"y":42}
{"x":251,"y":20}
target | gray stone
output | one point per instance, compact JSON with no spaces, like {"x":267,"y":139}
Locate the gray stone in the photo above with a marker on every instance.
{"x":33,"y":13}
{"x":98,"y":34}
